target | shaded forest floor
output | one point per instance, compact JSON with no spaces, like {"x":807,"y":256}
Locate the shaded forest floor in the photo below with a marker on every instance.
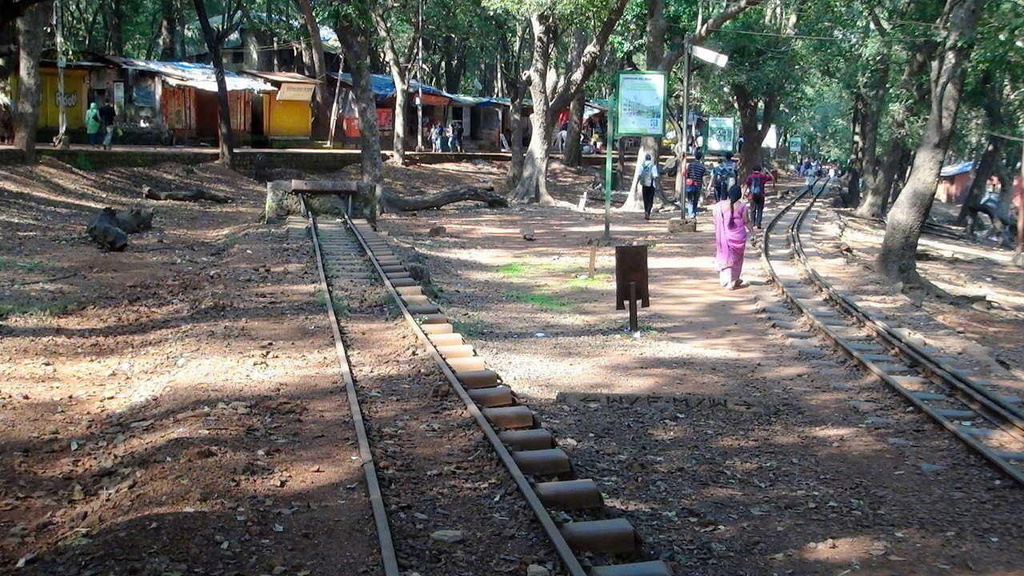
{"x":175,"y":409}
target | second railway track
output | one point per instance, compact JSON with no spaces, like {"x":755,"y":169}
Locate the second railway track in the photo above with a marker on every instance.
{"x":988,"y":420}
{"x":430,"y":471}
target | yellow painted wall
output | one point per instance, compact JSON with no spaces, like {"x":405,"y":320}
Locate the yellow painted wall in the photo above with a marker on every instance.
{"x":286,"y":118}
{"x":75,"y":96}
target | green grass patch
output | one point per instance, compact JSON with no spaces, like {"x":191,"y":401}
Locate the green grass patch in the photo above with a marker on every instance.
{"x":471,"y":327}
{"x":9,"y":264}
{"x":542,"y":301}
{"x":27,"y":307}
{"x":583,"y":282}
{"x":513,"y":270}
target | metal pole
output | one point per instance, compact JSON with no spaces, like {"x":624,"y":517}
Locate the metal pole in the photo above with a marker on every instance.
{"x":608,"y":170}
{"x":334,"y":107}
{"x":1020,"y":207}
{"x":686,"y":125}
{"x":419,"y":81}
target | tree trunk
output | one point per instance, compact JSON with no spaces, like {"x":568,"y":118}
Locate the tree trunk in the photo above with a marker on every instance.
{"x":116,"y":28}
{"x":876,"y":196}
{"x":532,"y":187}
{"x":168,"y":30}
{"x":518,"y":123}
{"x":751,"y":131}
{"x":355,"y":41}
{"x":908,"y":214}
{"x":322,"y":106}
{"x":31,"y":27}
{"x":993,"y":106}
{"x":213,"y":43}
{"x":556,"y":97}
{"x":856,"y":150}
{"x":394,"y":203}
{"x":983,"y":170}
{"x":573,"y":153}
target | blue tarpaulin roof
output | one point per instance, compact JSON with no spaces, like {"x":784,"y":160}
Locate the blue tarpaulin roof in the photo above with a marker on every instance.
{"x":955,"y":169}
{"x":383,"y":86}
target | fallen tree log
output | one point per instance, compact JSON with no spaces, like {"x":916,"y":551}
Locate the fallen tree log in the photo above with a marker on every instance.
{"x":195,"y":195}
{"x":104,"y":231}
{"x":391,"y":202}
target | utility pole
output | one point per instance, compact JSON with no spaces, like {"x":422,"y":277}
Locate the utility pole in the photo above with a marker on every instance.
{"x":419,"y":84}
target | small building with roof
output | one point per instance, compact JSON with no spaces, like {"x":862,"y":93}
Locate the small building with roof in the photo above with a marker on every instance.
{"x":954,"y":182}
{"x":181,"y":98}
{"x":285,"y":113}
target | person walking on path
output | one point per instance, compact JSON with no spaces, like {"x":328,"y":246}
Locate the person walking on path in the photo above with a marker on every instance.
{"x":724,"y":176}
{"x":109,"y":118}
{"x":756,"y":186}
{"x":648,"y":182}
{"x":695,"y":173}
{"x":93,"y":125}
{"x":731,"y":227}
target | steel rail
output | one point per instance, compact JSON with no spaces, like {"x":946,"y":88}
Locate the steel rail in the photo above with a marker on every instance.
{"x":380,"y":515}
{"x":977,"y":393}
{"x":564,"y":551}
{"x":976,"y":397}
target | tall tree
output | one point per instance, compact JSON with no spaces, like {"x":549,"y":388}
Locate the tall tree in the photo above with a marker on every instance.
{"x":31,"y":31}
{"x":958,"y":25}
{"x":354,"y":29}
{"x":214,"y":43}
{"x":551,"y":92}
{"x":664,"y":47}
{"x":387,"y":19}
{"x":322,"y":107}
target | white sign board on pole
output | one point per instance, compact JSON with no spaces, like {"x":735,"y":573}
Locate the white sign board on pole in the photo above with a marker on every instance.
{"x":641,"y":104}
{"x":710,"y":56}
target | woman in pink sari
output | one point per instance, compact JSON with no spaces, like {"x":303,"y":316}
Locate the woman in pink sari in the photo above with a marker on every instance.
{"x":731,"y":226}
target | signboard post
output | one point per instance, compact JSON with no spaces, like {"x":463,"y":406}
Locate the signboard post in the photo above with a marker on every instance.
{"x":631,"y":281}
{"x":610,"y":134}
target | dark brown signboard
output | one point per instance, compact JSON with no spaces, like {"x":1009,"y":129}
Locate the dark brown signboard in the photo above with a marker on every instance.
{"x":631,"y":267}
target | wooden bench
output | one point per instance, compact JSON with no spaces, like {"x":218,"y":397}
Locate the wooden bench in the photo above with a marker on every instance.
{"x":347,"y":188}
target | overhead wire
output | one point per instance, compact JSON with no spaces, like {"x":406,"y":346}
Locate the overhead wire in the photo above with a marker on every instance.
{"x":804,"y":36}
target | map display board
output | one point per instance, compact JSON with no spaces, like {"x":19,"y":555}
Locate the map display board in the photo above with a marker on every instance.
{"x":641,"y":104}
{"x":721,"y":134}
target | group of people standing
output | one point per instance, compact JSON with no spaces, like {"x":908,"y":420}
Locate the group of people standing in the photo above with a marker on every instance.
{"x":733,"y":218}
{"x":446,"y":138}
{"x":590,"y":138}
{"x":100,"y":124}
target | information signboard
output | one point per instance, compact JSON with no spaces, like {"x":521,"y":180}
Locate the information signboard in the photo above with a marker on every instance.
{"x":640,"y":110}
{"x":721,"y":134}
{"x":795,"y":143}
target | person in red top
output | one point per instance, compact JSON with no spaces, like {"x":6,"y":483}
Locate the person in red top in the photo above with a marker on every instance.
{"x":756,"y":185}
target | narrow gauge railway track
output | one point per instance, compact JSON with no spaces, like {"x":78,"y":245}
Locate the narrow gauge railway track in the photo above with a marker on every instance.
{"x":587,"y":537}
{"x":989,"y":422}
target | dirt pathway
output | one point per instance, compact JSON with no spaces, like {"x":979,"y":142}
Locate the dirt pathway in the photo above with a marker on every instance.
{"x":756,"y":453}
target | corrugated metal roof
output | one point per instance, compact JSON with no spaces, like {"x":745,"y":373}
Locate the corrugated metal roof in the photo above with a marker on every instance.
{"x":955,"y":169}
{"x":282,"y":77}
{"x":192,"y":74}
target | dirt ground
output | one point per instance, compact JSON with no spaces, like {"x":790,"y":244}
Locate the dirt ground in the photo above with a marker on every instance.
{"x":176,"y":408}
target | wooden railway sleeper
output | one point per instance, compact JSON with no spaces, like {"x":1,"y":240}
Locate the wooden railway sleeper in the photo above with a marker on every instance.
{"x":533,"y":448}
